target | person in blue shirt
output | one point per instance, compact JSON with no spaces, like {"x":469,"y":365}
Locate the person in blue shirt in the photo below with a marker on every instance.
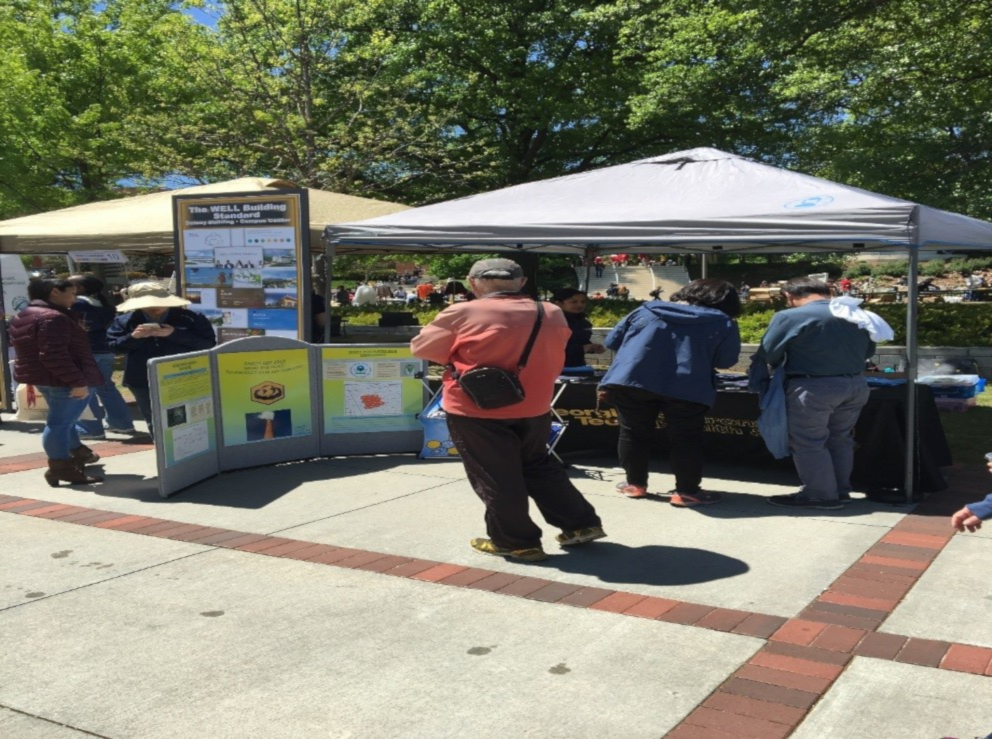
{"x":666,"y":359}
{"x":971,"y":516}
{"x":825,"y":389}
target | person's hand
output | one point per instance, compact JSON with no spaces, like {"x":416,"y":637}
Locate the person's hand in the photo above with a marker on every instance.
{"x":164,"y":329}
{"x":965,"y":519}
{"x":79,"y":392}
{"x":144,"y":331}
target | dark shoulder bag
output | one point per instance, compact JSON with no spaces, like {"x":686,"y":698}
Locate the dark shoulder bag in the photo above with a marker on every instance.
{"x":492,"y":387}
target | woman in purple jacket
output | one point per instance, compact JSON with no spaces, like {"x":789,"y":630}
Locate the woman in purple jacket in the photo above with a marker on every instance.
{"x":53,"y":354}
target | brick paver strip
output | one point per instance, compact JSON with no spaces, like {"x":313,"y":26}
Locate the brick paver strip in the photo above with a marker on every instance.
{"x":877,"y":576}
{"x":554,"y":592}
{"x":881,"y":646}
{"x":381,"y":565}
{"x":359,"y":559}
{"x":618,"y":602}
{"x":783,"y":678}
{"x":8,"y":499}
{"x":827,"y":606}
{"x":310,"y":553}
{"x":813,"y":654}
{"x":101,"y":519}
{"x":156,"y":527}
{"x":775,"y":712}
{"x":260,"y":545}
{"x":862,"y":566}
{"x":37,"y":512}
{"x":174,"y":531}
{"x":586,"y":597}
{"x":742,"y":726}
{"x":651,"y":607}
{"x":759,"y":625}
{"x":839,"y":619}
{"x":793,"y":664}
{"x":964,"y":658}
{"x":24,"y":505}
{"x":867,"y":588}
{"x":438,"y":572}
{"x":330,"y":558}
{"x":925,"y":652}
{"x":287,"y":548}
{"x":523,"y":587}
{"x":194,"y":537}
{"x":686,"y":613}
{"x":839,"y":638}
{"x":117,"y":522}
{"x":494,"y":582}
{"x":798,"y":631}
{"x":239,"y":541}
{"x":906,"y":564}
{"x":138,"y":527}
{"x":466,"y":577}
{"x":898,"y":551}
{"x":217,"y":538}
{"x":771,"y":693}
{"x":916,"y":540}
{"x":67,"y":511}
{"x":411,"y":568}
{"x":875,"y":604}
{"x":722,"y":619}
{"x":690,"y":731}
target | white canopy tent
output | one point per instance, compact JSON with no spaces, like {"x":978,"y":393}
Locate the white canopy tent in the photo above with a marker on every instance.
{"x":144,"y":222}
{"x":701,"y":201}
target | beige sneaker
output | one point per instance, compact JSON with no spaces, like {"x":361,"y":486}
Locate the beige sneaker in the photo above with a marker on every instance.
{"x":580,"y":536}
{"x":485,"y":546}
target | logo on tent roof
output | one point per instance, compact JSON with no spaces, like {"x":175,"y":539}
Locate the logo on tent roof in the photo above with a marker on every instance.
{"x":813,"y":201}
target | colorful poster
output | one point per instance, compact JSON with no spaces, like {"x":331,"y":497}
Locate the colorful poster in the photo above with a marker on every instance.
{"x":265,"y":395}
{"x":187,"y":403}
{"x":247,"y":252}
{"x":368,"y":389}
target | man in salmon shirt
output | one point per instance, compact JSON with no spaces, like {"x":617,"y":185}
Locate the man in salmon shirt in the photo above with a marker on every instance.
{"x":505,"y":449}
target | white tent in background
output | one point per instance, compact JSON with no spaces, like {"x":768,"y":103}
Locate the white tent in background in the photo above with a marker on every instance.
{"x":697,"y":201}
{"x":144,"y":222}
{"x":701,"y":200}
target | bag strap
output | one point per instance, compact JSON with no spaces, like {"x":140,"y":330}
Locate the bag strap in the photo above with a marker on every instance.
{"x":533,"y":337}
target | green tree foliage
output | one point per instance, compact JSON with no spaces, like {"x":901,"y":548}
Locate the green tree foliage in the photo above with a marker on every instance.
{"x":81,"y":83}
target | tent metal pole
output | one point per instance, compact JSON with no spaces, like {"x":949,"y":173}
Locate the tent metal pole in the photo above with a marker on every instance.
{"x":590,"y":255}
{"x":704,"y":263}
{"x":912,"y":307}
{"x":328,"y":275}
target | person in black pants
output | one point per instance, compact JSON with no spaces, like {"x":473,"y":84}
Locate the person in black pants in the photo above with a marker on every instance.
{"x":666,"y":357}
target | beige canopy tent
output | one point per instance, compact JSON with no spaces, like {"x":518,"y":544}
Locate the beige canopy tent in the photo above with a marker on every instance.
{"x":144,"y":222}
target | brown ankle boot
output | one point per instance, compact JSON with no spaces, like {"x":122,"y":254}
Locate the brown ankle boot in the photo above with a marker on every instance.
{"x":83,"y":455}
{"x":65,"y":470}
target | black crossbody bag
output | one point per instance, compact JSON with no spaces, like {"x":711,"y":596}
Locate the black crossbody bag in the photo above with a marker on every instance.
{"x":492,"y":387}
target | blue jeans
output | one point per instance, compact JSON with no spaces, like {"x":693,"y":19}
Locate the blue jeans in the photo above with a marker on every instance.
{"x":59,"y":437}
{"x":106,"y":402}
{"x":822,"y":412}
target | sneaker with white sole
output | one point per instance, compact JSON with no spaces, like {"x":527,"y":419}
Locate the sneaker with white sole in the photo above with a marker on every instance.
{"x":632,"y":491}
{"x":691,"y":500}
{"x":486,"y":546}
{"x":580,"y":536}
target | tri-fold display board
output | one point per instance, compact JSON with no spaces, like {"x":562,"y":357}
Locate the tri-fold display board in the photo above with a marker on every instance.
{"x":266,"y":400}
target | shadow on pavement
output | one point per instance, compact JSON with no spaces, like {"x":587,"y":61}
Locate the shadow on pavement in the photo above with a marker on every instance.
{"x":648,"y":565}
{"x":250,"y":488}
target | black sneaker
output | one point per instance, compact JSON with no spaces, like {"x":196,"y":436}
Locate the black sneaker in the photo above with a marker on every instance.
{"x":796,"y":501}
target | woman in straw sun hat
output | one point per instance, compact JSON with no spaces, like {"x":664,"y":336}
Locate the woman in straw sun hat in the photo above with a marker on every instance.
{"x":154,"y":323}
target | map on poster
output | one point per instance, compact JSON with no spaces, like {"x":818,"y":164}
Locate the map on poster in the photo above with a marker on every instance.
{"x":245,"y":260}
{"x":373,"y":398}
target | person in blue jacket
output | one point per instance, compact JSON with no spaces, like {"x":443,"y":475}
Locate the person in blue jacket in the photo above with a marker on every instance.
{"x":666,"y":359}
{"x":95,"y":313}
{"x":971,"y":516}
{"x":153,"y":324}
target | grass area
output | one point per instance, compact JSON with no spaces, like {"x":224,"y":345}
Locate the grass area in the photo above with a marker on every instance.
{"x":970,"y":433}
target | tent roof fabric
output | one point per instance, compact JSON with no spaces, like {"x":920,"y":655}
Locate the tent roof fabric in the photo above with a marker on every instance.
{"x":697,"y":200}
{"x":144,"y":222}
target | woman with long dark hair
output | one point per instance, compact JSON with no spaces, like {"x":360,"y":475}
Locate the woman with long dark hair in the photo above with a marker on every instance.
{"x":54,"y":356}
{"x":573,"y":304}
{"x":95,"y":313}
{"x":666,"y":357}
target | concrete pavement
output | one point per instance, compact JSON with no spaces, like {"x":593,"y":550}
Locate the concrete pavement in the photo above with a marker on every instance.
{"x":338,"y":598}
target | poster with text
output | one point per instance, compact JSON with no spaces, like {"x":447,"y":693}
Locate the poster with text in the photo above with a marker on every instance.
{"x":369,"y":389}
{"x":265,"y":395}
{"x":187,"y":402}
{"x":247,"y":254}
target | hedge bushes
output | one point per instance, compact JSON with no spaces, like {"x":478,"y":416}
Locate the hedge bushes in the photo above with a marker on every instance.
{"x":940,"y":324}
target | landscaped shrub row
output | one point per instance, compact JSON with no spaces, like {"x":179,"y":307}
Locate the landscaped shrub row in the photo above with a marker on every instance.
{"x":940,"y":324}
